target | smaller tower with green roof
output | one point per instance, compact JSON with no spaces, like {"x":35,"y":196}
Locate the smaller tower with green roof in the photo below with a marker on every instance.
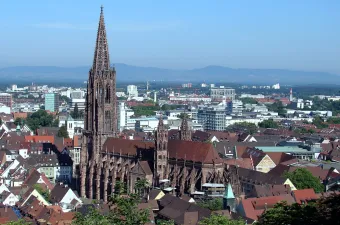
{"x":229,"y":201}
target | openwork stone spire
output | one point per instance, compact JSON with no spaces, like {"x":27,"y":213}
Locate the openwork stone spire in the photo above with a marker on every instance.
{"x":101,"y":61}
{"x":161,"y":151}
{"x":185,"y":132}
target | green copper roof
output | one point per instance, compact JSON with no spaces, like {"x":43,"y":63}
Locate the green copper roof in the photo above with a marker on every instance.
{"x":228,"y":194}
{"x":18,"y":127}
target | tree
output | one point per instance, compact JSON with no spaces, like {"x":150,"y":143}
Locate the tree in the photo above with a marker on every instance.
{"x":214,"y":204}
{"x":38,"y":119}
{"x":63,"y":132}
{"x":303,"y":179}
{"x":75,"y":113}
{"x":165,"y":222}
{"x":55,"y":123}
{"x":140,"y":186}
{"x":145,"y":110}
{"x":278,"y":107}
{"x":19,"y":121}
{"x":248,"y":100}
{"x":250,"y":128}
{"x":268,"y":124}
{"x":18,"y":222}
{"x":323,"y":211}
{"x":183,"y":115}
{"x":319,"y":123}
{"x":218,"y":219}
{"x":334,"y":120}
{"x":283,"y":213}
{"x":125,"y":213}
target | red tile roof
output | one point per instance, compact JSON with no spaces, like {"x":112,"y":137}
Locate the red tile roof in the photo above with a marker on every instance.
{"x":254,"y":207}
{"x":40,"y":139}
{"x":304,"y":195}
{"x":193,"y":151}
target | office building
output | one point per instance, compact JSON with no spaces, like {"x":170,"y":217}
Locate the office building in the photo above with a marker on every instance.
{"x":221,"y":93}
{"x":212,"y":118}
{"x":51,"y":102}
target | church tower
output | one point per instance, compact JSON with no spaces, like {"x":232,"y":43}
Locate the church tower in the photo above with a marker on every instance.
{"x":100,"y":113}
{"x":161,"y":152}
{"x":185,"y":132}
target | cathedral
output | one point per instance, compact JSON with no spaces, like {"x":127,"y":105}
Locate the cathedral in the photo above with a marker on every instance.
{"x":183,"y":164}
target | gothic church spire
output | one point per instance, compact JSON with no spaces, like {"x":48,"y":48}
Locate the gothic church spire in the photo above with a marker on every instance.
{"x":185,"y":132}
{"x":101,"y":61}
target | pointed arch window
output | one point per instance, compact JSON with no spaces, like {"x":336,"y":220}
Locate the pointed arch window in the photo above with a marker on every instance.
{"x":108,"y":94}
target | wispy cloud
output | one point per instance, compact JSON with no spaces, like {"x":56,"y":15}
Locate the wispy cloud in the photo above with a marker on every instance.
{"x":118,"y":27}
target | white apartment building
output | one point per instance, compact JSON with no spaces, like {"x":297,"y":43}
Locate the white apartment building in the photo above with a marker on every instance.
{"x":4,"y":109}
{"x":190,"y":98}
{"x":124,"y":117}
{"x":148,"y":124}
{"x":80,"y":103}
{"x":221,"y":93}
{"x":132,"y":91}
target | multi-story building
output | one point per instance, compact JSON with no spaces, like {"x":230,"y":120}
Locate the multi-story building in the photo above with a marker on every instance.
{"x":80,"y":102}
{"x":212,"y":118}
{"x":132,"y":91}
{"x":124,"y":114}
{"x":51,"y":102}
{"x":221,"y":93}
{"x":6,"y":99}
{"x":77,"y":94}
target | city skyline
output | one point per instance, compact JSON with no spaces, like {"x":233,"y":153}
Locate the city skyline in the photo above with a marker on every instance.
{"x":175,"y":35}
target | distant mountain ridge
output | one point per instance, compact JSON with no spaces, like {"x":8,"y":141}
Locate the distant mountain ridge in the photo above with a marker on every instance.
{"x":127,"y":73}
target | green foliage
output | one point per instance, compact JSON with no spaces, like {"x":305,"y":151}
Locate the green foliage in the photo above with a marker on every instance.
{"x":183,"y":115}
{"x":120,"y":188}
{"x":19,"y":121}
{"x":165,"y":222}
{"x":93,"y":217}
{"x":269,"y":124}
{"x":75,"y":113}
{"x":55,"y":123}
{"x":64,"y":98}
{"x":213,"y":204}
{"x":126,"y":213}
{"x":145,"y":110}
{"x":44,"y":193}
{"x":248,"y":100}
{"x":166,"y":107}
{"x":217,"y":219}
{"x":277,"y":107}
{"x":250,"y":128}
{"x":39,"y":119}
{"x":303,"y":179}
{"x":319,"y":123}
{"x":283,"y":213}
{"x":140,"y":186}
{"x":62,"y":132}
{"x":323,"y":211}
{"x":18,"y":222}
{"x":334,"y":120}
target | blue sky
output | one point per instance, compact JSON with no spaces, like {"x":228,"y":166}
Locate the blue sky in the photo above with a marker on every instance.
{"x":288,"y":34}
